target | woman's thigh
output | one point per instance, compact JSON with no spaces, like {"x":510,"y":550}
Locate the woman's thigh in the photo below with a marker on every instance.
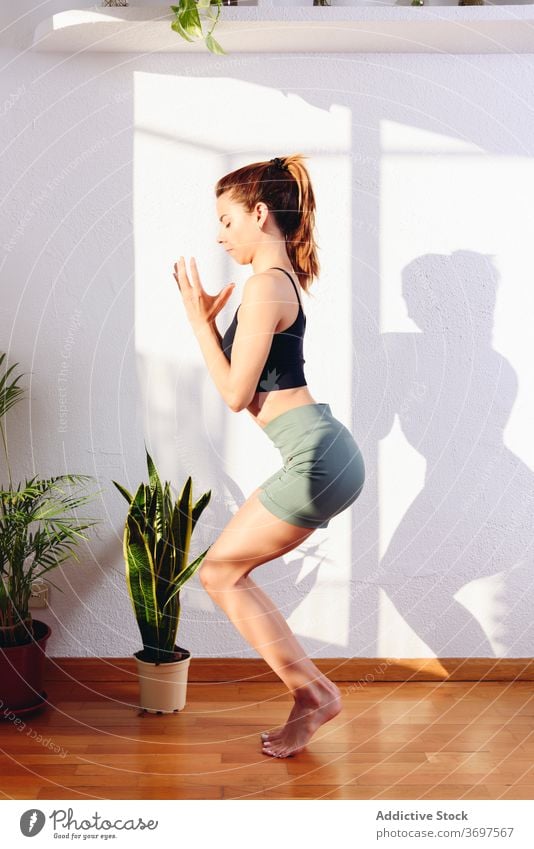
{"x":252,"y":536}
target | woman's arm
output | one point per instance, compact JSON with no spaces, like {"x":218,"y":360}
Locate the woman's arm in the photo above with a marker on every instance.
{"x":258,"y":317}
{"x":217,"y":334}
{"x":259,"y":314}
{"x":236,"y":380}
{"x":201,"y":311}
{"x":210,"y":342}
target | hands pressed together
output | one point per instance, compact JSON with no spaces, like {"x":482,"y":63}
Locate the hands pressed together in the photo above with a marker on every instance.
{"x":201,"y":308}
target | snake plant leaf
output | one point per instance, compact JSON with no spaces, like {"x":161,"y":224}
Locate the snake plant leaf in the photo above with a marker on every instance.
{"x":186,"y":574}
{"x":128,"y":496}
{"x":164,"y":552}
{"x":175,"y":535}
{"x":153,"y":476}
{"x":155,"y":485}
{"x":140,"y":573}
{"x":161,"y":553}
{"x":199,"y":506}
{"x":186,"y":523}
{"x":138,"y":507}
{"x":166,"y":508}
{"x":165,"y":546}
{"x":152,"y":501}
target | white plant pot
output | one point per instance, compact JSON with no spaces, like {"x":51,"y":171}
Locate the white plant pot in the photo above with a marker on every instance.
{"x":163,"y":686}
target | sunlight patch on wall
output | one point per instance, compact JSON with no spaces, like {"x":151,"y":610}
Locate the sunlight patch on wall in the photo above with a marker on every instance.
{"x":395,"y":637}
{"x":483,"y":599}
{"x":401,"y":477}
{"x":425,"y":178}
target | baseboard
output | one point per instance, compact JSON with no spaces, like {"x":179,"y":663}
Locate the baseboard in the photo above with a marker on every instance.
{"x":348,"y":669}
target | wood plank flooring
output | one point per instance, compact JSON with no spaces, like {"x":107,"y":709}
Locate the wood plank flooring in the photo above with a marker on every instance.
{"x":393,"y":740}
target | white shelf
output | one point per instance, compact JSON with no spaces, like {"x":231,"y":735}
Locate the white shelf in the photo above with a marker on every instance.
{"x":297,"y":29}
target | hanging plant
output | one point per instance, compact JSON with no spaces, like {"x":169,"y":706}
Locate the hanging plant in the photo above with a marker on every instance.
{"x":187,"y":22}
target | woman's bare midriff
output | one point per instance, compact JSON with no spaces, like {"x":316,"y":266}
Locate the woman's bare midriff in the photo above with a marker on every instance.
{"x":265,"y":406}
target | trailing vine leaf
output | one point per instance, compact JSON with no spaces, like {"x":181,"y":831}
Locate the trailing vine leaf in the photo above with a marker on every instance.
{"x":176,"y":26}
{"x":190,"y":19}
{"x":213,"y":45}
{"x":187,"y":22}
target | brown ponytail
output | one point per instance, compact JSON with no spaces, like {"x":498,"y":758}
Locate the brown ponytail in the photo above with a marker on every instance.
{"x":285,"y":187}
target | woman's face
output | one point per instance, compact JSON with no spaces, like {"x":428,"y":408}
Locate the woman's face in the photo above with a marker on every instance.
{"x":239,"y":233}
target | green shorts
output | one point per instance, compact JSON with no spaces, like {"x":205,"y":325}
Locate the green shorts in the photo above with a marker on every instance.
{"x":323,"y":471}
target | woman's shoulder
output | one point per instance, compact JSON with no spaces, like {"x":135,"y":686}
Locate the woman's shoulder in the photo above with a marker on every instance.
{"x":262,"y":286}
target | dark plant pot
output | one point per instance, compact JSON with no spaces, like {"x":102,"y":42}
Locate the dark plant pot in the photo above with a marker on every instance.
{"x":22,"y":672}
{"x":16,"y":635}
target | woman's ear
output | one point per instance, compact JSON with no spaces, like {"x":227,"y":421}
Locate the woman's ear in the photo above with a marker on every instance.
{"x":261,"y":212}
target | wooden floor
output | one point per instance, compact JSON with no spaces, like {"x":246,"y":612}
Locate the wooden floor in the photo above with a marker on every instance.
{"x":393,"y":740}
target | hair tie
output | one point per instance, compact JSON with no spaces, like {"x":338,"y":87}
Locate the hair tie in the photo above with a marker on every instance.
{"x":279,"y":164}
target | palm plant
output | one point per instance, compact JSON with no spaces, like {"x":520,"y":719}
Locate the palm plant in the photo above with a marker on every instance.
{"x":38,"y":530}
{"x":156,"y":541}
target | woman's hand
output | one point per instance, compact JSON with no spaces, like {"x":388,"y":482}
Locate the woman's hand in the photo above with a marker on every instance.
{"x":200,"y":307}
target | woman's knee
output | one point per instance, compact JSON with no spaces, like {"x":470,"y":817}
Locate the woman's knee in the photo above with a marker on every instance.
{"x":207,"y":573}
{"x":220,"y":574}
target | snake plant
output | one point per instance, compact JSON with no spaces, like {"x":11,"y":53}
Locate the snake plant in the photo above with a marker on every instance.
{"x":156,"y":541}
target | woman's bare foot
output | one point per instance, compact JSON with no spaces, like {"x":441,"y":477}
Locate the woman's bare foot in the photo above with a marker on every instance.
{"x":313,"y":707}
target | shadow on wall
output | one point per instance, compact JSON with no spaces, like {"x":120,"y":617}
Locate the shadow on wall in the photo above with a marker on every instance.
{"x":473,"y":518}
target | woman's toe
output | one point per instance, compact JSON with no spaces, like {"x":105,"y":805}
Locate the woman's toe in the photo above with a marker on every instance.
{"x":272,"y":737}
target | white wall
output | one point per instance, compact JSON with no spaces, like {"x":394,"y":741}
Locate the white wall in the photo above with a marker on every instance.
{"x":419,"y":330}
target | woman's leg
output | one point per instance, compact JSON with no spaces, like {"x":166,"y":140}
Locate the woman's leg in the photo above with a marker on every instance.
{"x":252,"y":537}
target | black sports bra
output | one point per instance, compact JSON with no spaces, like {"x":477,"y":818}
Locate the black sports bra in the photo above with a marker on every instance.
{"x":284,"y":367}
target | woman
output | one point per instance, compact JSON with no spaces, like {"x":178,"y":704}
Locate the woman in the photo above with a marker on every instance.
{"x":267,"y":213}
